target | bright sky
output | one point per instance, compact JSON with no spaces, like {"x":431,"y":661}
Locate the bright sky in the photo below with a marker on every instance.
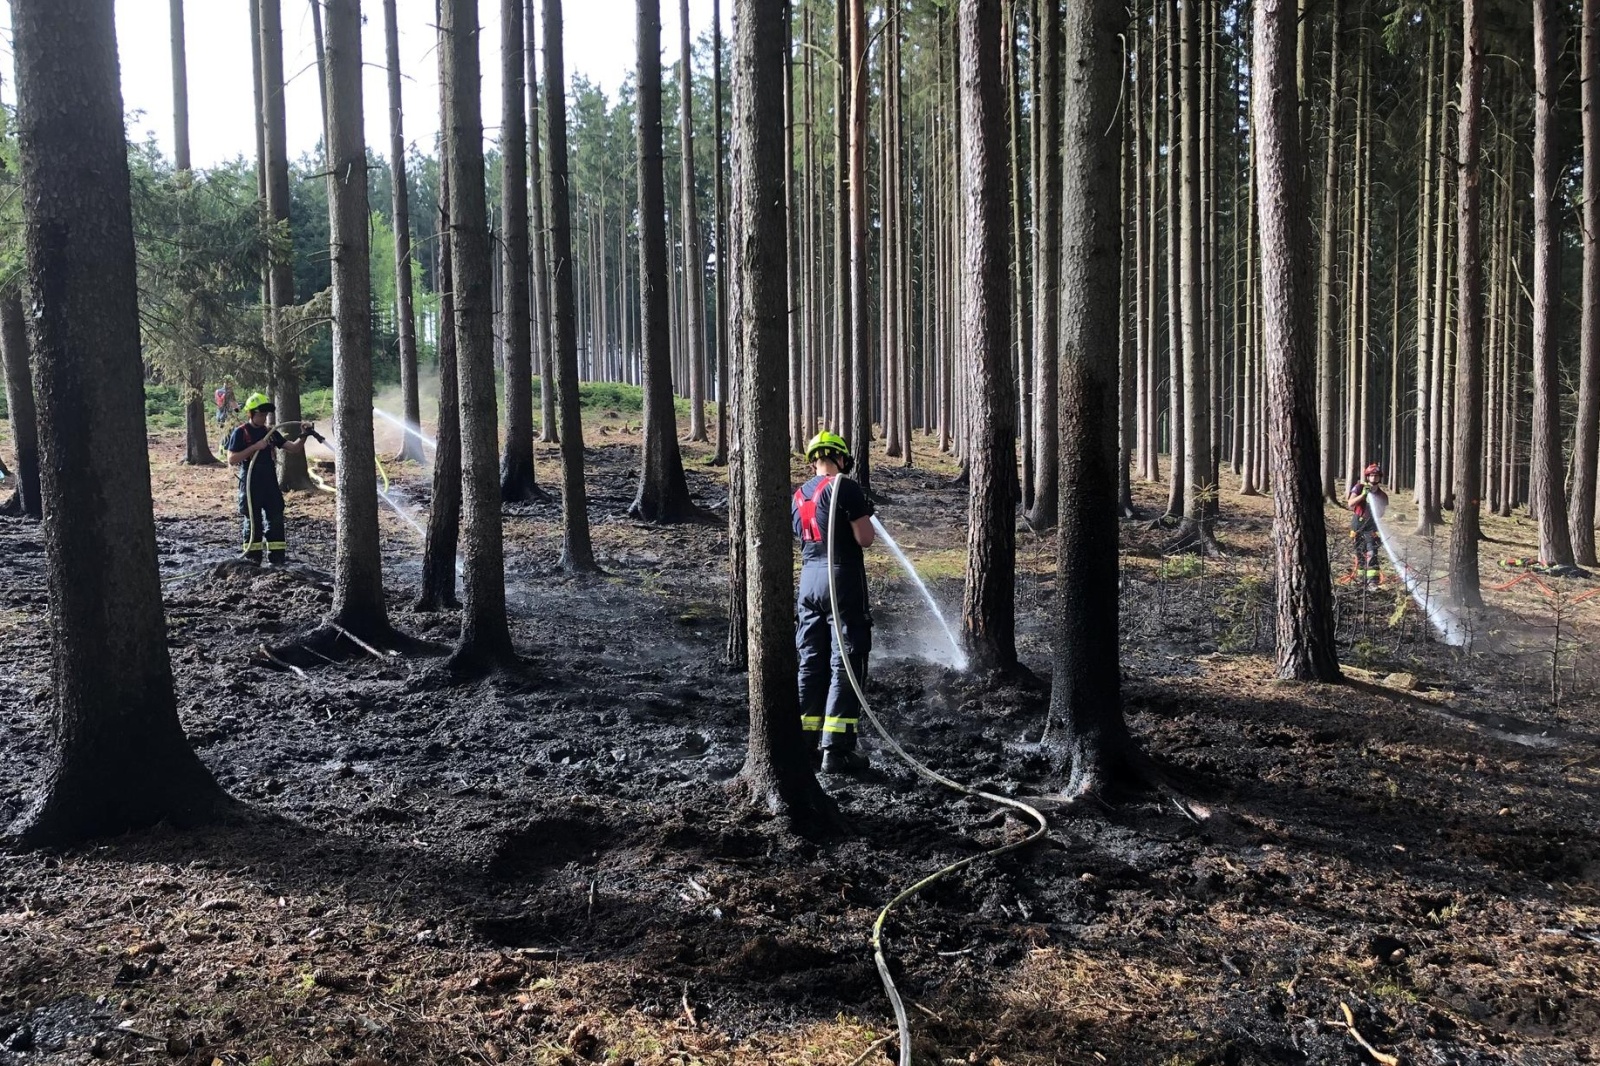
{"x":600,"y":44}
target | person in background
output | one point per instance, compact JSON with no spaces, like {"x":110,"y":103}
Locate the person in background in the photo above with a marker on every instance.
{"x":1367,"y":501}
{"x":226,"y":406}
{"x":260,"y":496}
{"x":829,"y":709}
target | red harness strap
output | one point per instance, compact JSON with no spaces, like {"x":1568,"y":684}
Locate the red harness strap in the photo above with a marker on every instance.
{"x":810,"y":531}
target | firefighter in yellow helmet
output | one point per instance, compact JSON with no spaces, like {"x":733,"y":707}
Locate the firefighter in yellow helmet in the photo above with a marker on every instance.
{"x":829,"y":709}
{"x":260,"y":497}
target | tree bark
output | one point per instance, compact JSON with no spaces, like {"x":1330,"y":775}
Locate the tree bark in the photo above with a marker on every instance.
{"x":405,"y":313}
{"x":663,"y":490}
{"x":1586,"y":446}
{"x":444,"y":511}
{"x":577,"y":552}
{"x":719,"y":206}
{"x":485,"y":635}
{"x":120,"y":760}
{"x":1328,"y":252}
{"x":197,"y":431}
{"x":1546,"y":493}
{"x":694,"y":261}
{"x":1086,"y":683}
{"x":19,"y":403}
{"x":1305,"y":633}
{"x":1199,"y":477}
{"x":293,"y":474}
{"x":358,"y":603}
{"x":519,"y":482}
{"x":988,"y":615}
{"x":776,"y":775}
{"x":539,"y":282}
{"x":1047,"y":271}
{"x":860,"y":384}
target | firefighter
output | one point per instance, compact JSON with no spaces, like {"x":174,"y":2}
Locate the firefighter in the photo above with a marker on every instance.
{"x":260,"y":497}
{"x":1367,"y":499}
{"x":829,"y":709}
{"x":223,"y":398}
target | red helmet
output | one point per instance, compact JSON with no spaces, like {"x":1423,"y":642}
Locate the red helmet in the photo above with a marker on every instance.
{"x":1373,"y":470}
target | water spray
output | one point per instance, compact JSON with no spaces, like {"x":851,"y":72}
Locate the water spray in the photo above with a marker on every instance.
{"x":1451,"y":629}
{"x":878,"y":957}
{"x":958,"y":655}
{"x":406,"y":427}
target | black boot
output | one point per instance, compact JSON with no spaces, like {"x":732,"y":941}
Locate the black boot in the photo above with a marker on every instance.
{"x":844,"y":761}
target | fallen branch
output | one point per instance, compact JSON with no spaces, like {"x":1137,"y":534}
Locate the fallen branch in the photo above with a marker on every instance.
{"x":267,"y":652}
{"x":1350,"y":1023}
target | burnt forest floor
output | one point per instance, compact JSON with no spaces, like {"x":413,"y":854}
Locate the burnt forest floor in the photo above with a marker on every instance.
{"x":549,"y":869}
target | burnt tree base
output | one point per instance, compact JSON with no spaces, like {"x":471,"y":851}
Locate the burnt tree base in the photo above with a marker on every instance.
{"x":334,"y":643}
{"x":792,"y":794}
{"x":1193,"y":538}
{"x":518,"y":483}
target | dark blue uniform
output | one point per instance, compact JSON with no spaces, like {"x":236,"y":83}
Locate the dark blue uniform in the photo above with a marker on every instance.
{"x":827,"y":702}
{"x":264,"y":529}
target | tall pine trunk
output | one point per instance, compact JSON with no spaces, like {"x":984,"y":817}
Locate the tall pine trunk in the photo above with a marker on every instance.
{"x":1463,"y":588}
{"x":577,"y":551}
{"x":197,"y":430}
{"x":663,"y":490}
{"x":1047,"y":270}
{"x":694,"y":262}
{"x":776,"y":776}
{"x":518,"y":479}
{"x":1586,"y":446}
{"x":19,"y":402}
{"x":539,"y":280}
{"x":485,"y":634}
{"x":444,"y":510}
{"x":119,"y":759}
{"x":406,"y":320}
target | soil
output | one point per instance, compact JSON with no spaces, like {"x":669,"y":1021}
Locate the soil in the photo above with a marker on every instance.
{"x":548,"y":869}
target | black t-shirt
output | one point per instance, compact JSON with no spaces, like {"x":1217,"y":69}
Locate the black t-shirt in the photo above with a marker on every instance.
{"x":264,"y":477}
{"x":853,"y":503}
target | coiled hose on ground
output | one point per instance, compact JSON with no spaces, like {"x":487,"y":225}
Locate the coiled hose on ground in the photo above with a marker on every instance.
{"x":925,"y":772}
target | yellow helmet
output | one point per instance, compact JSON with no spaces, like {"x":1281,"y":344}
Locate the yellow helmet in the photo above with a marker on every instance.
{"x":258,"y":402}
{"x":829,"y":445}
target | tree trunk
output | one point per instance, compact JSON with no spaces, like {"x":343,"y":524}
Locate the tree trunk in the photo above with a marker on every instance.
{"x":1586,"y":447}
{"x":1305,"y":633}
{"x":319,"y":45}
{"x":577,"y":553}
{"x":539,"y":282}
{"x":293,"y":474}
{"x":120,"y":760}
{"x":860,"y":384}
{"x":19,"y":403}
{"x":1047,"y":271}
{"x":1200,"y":490}
{"x":720,"y":208}
{"x":1463,"y":589}
{"x":988,"y":615}
{"x":1426,"y":491}
{"x":358,"y":603}
{"x":1086,"y":685}
{"x":485,"y":634}
{"x":1547,"y":494}
{"x":1328,"y":251}
{"x":444,"y":511}
{"x":406,"y":324}
{"x":776,"y":775}
{"x":694,"y":263}
{"x":663,"y":491}
{"x":197,"y":431}
{"x":518,"y":479}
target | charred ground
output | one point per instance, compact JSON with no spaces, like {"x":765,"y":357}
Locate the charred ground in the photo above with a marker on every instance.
{"x":549,"y":870}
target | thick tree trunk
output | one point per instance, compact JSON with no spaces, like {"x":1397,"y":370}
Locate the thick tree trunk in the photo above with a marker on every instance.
{"x":1546,"y":494}
{"x":860,"y":385}
{"x":988,"y":615}
{"x":1199,"y":477}
{"x":577,"y":552}
{"x":406,"y":328}
{"x":1328,"y":251}
{"x":1305,"y":634}
{"x":1586,"y":447}
{"x":663,"y":491}
{"x":120,"y":759}
{"x":358,"y":603}
{"x":776,"y":775}
{"x":539,"y":281}
{"x":485,"y":635}
{"x":1086,"y":685}
{"x":518,"y":480}
{"x":294,"y":473}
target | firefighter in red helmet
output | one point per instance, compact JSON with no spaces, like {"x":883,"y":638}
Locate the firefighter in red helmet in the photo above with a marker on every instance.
{"x":1367,"y":502}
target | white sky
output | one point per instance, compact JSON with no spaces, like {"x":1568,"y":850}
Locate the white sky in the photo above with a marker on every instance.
{"x":600,"y":44}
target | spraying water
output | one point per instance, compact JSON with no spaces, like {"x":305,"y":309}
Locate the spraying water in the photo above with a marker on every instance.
{"x":956,"y":653}
{"x":1452,"y":630}
{"x":406,"y":427}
